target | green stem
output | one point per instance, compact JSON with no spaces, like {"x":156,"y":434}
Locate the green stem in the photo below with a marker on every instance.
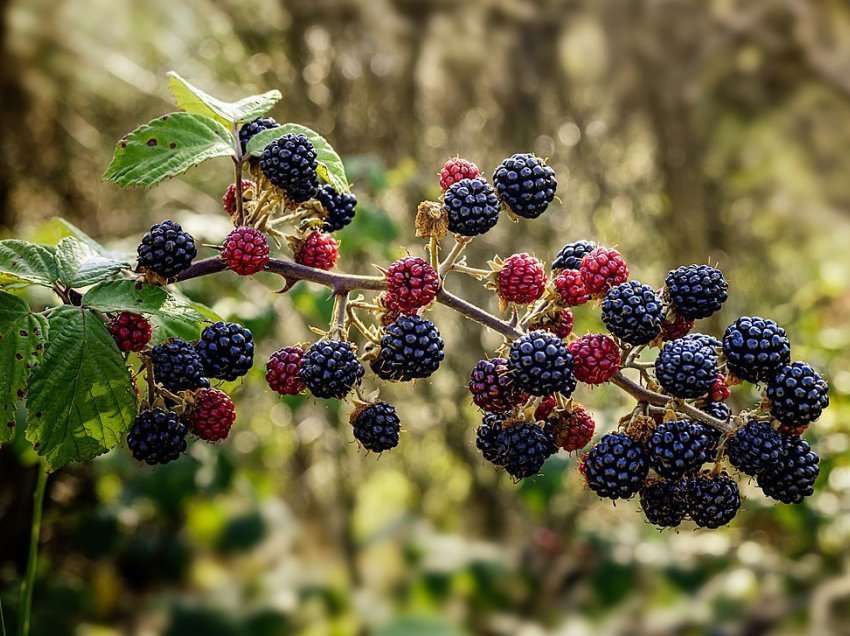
{"x":25,"y":605}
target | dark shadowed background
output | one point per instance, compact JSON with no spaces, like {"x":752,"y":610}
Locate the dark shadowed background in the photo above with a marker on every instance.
{"x":681,"y":131}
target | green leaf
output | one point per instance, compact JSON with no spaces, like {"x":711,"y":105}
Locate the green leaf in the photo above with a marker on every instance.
{"x":23,"y":263}
{"x":80,"y":265}
{"x":331,"y":169}
{"x":126,"y":295}
{"x":81,"y":399}
{"x":166,"y":147}
{"x":194,"y":100}
{"x":180,"y":318}
{"x":22,"y":338}
{"x":65,"y":229}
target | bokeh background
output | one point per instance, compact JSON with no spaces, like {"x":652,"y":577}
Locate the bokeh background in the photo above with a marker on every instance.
{"x":681,"y":131}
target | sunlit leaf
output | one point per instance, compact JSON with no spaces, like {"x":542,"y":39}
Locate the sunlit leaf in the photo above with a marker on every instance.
{"x":194,"y":100}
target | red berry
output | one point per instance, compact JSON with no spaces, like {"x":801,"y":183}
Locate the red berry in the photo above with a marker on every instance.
{"x":228,"y":200}
{"x":602,"y":269}
{"x":797,"y":431}
{"x":282,"y":371}
{"x":673,"y":330}
{"x":411,"y":283}
{"x":456,"y":169}
{"x":319,"y":250}
{"x":573,"y":429}
{"x":131,"y":331}
{"x":560,"y":323}
{"x":212,"y":415}
{"x":389,"y":309}
{"x":570,"y":288}
{"x":545,"y":408}
{"x":521,"y":279}
{"x":246,"y":251}
{"x":719,"y":390}
{"x":596,"y":358}
{"x":492,"y":387}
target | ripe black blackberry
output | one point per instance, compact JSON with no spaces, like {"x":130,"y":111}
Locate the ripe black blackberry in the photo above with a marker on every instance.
{"x":289,"y":162}
{"x":569,"y":256}
{"x":527,"y":446}
{"x":686,"y":368}
{"x":633,"y":312}
{"x":719,"y":410}
{"x":678,"y":447}
{"x":226,"y":350}
{"x":251,"y":128}
{"x":696,"y":291}
{"x":754,"y":447}
{"x":166,"y":249}
{"x":755,"y":347}
{"x":157,"y":437}
{"x":792,"y":478}
{"x":330,"y":368}
{"x":489,"y":440}
{"x":703,"y":339}
{"x":616,"y":466}
{"x":472,"y":207}
{"x":377,"y":427}
{"x":492,"y":387}
{"x":339,"y":207}
{"x":541,"y":363}
{"x":797,"y":394}
{"x":664,"y":503}
{"x":411,"y":347}
{"x":525,"y":184}
{"x":713,"y":500}
{"x":177,"y":366}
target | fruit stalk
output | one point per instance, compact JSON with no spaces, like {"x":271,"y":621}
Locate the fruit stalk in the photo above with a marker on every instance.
{"x":25,"y":603}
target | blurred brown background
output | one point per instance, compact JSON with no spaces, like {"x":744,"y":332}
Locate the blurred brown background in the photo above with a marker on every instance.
{"x":680,"y":130}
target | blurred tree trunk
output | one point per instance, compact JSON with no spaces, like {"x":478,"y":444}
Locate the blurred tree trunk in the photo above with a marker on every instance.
{"x":14,"y":107}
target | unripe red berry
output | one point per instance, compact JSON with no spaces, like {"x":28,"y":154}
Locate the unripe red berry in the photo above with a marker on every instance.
{"x":389,"y":309}
{"x":228,"y":200}
{"x":319,"y":250}
{"x":559,"y":323}
{"x":570,"y":288}
{"x":545,"y":408}
{"x":675,"y":329}
{"x":282,"y":371}
{"x":602,"y":269}
{"x":573,"y":429}
{"x":719,"y":390}
{"x":212,"y":415}
{"x":131,"y":331}
{"x":521,"y":279}
{"x":411,"y":283}
{"x":246,"y":251}
{"x":596,"y":358}
{"x":456,"y":169}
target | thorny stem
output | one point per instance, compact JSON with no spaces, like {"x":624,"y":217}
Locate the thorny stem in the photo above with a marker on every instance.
{"x":475,"y":272}
{"x":447,"y":265}
{"x":344,"y":283}
{"x":339,"y":314}
{"x":434,"y":252}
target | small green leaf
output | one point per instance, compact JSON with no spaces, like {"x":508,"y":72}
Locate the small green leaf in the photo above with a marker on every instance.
{"x":194,"y":100}
{"x":166,"y":147}
{"x":65,"y":229}
{"x":180,"y":318}
{"x":81,"y":399}
{"x":126,"y":295}
{"x":23,"y":263}
{"x":80,"y":265}
{"x":331,"y":169}
{"x":23,"y":335}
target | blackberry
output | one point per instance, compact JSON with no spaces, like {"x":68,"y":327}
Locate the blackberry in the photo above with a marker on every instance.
{"x":472,"y":207}
{"x":675,"y":327}
{"x":678,"y":447}
{"x":157,"y":437}
{"x":664,"y":503}
{"x":166,"y":249}
{"x":558,"y":321}
{"x":283,"y":371}
{"x":797,"y":394}
{"x":686,"y":368}
{"x":704,"y":340}
{"x":246,"y":251}
{"x":569,"y":288}
{"x":521,"y":279}
{"x":792,"y":478}
{"x":754,"y":447}
{"x":251,"y":128}
{"x":755,"y":347}
{"x":717,"y":409}
{"x":330,"y":368}
{"x":492,"y":387}
{"x":596,"y":358}
{"x":289,"y":162}
{"x":212,"y":415}
{"x":569,"y":256}
{"x":720,"y":389}
{"x":131,"y":332}
{"x":456,"y":169}
{"x":616,"y":466}
{"x":633,"y":312}
{"x":177,"y":366}
{"x":411,"y":347}
{"x":697,"y":291}
{"x":713,"y":500}
{"x":226,"y":350}
{"x":318,"y":249}
{"x":339,"y":207}
{"x":489,"y":440}
{"x":571,"y":430}
{"x":412,"y":283}
{"x":541,"y":364}
{"x":377,"y":427}
{"x":527,"y":446}
{"x":525,"y":184}
{"x":602,"y":269}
